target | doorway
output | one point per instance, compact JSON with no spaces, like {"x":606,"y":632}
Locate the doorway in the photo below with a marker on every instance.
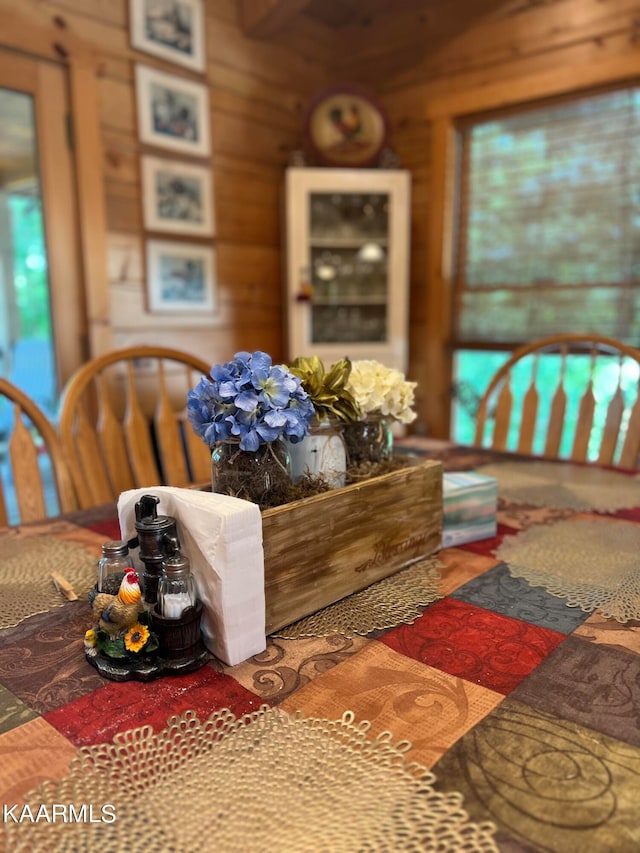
{"x":26,"y":342}
{"x":42,"y":305}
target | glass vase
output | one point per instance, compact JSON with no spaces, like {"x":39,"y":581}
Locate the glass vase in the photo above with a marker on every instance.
{"x":369,"y":441}
{"x":262,"y":476}
{"x":321,"y":453}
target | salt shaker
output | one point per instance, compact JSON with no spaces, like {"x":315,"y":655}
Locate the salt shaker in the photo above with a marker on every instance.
{"x":113,"y":565}
{"x":176,"y":590}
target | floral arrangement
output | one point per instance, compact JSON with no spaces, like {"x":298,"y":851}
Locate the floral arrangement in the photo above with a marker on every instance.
{"x":328,"y":390}
{"x":378,"y":389}
{"x":251,"y":399}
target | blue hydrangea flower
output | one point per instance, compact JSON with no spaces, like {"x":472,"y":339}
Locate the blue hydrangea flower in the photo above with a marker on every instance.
{"x":251,"y":399}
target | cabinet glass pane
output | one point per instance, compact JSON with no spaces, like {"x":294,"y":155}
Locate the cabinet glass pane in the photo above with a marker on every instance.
{"x":348,"y":256}
{"x":349,"y":275}
{"x":349,"y":215}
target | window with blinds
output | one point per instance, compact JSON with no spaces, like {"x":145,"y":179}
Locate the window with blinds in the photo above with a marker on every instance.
{"x":548,"y":230}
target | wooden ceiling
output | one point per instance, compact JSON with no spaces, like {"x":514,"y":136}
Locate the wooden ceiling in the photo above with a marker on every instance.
{"x":266,"y":18}
{"x":337,"y":14}
{"x":370,"y":40}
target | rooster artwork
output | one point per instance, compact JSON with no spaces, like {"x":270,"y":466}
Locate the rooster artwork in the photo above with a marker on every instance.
{"x":346,"y":127}
{"x":347,"y":120}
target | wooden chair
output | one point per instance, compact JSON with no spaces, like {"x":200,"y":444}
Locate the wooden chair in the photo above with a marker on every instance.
{"x":123,"y":424}
{"x":29,"y":436}
{"x":593,"y":425}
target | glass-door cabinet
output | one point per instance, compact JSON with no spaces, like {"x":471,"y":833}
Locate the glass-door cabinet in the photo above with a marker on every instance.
{"x":348,"y":264}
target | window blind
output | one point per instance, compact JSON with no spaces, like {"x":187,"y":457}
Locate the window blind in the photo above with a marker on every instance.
{"x":549,"y":222}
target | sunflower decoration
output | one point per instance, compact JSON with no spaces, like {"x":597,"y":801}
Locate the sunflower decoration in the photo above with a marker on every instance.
{"x":132,"y":641}
{"x":136,"y":638}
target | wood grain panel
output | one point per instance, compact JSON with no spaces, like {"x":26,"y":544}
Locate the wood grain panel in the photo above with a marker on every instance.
{"x":421,"y":58}
{"x":240,"y":136}
{"x":398,"y":519}
{"x":266,"y":61}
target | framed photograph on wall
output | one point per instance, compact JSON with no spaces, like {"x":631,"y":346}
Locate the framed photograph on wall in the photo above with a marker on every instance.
{"x":172,"y":112}
{"x":171,"y":29}
{"x":181,"y":279}
{"x":177,"y":197}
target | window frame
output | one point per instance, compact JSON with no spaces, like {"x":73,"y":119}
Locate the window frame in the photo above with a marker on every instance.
{"x":465,"y":125}
{"x":435,"y":349}
{"x":66,"y":62}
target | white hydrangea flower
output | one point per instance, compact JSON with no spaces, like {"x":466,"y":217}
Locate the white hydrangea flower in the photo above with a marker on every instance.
{"x":382,"y":390}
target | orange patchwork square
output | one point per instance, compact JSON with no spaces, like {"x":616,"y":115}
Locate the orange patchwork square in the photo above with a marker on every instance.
{"x":429,"y":708}
{"x":29,"y":755}
{"x":462,"y":566}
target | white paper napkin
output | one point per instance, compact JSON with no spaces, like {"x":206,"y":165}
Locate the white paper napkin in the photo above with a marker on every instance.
{"x":222,"y":537}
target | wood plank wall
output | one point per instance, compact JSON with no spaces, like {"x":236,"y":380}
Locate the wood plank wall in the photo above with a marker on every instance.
{"x":258,"y":94}
{"x":413,"y":58}
{"x":409,"y":53}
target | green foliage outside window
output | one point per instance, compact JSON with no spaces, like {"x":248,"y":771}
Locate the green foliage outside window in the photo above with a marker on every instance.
{"x":30,"y":267}
{"x":475,"y":368}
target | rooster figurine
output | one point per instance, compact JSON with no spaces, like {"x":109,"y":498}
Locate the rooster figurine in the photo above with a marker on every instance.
{"x":116,"y":613}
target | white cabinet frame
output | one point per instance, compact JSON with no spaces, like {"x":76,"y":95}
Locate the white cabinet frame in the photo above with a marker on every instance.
{"x":301,"y":184}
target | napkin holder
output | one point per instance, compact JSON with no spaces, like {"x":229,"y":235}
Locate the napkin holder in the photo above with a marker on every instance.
{"x":179,"y":646}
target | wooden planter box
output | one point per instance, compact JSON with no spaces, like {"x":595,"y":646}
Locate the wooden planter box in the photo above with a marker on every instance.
{"x":322,"y":548}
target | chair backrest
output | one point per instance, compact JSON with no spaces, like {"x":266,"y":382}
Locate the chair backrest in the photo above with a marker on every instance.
{"x":31,"y":457}
{"x":580,"y":392}
{"x":123,"y":423}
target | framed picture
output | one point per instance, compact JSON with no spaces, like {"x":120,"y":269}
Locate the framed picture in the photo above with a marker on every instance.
{"x":171,"y":29}
{"x":180,"y":278}
{"x":177,"y":197}
{"x":172,"y":112}
{"x":345,"y":127}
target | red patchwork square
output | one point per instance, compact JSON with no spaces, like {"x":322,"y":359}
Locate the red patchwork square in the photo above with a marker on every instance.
{"x":488,"y":547}
{"x":482,"y":647}
{"x":110,"y":529}
{"x":118,"y":706}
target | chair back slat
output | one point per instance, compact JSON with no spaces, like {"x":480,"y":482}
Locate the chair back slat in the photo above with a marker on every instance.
{"x":112,"y":441}
{"x":602,"y":427}
{"x":95,"y":488}
{"x":631,"y":447}
{"x":584,"y":423}
{"x":529,"y":413}
{"x":199,"y":455}
{"x":31,"y":438}
{"x":138,"y":421}
{"x":503,"y":416}
{"x":136,"y":430}
{"x":171,"y":452}
{"x":611,"y":429}
{"x":557,"y":413}
{"x":23,"y":456}
{"x":4,"y":515}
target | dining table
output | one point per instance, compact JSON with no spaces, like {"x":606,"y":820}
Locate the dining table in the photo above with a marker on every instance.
{"x":486,"y":697}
